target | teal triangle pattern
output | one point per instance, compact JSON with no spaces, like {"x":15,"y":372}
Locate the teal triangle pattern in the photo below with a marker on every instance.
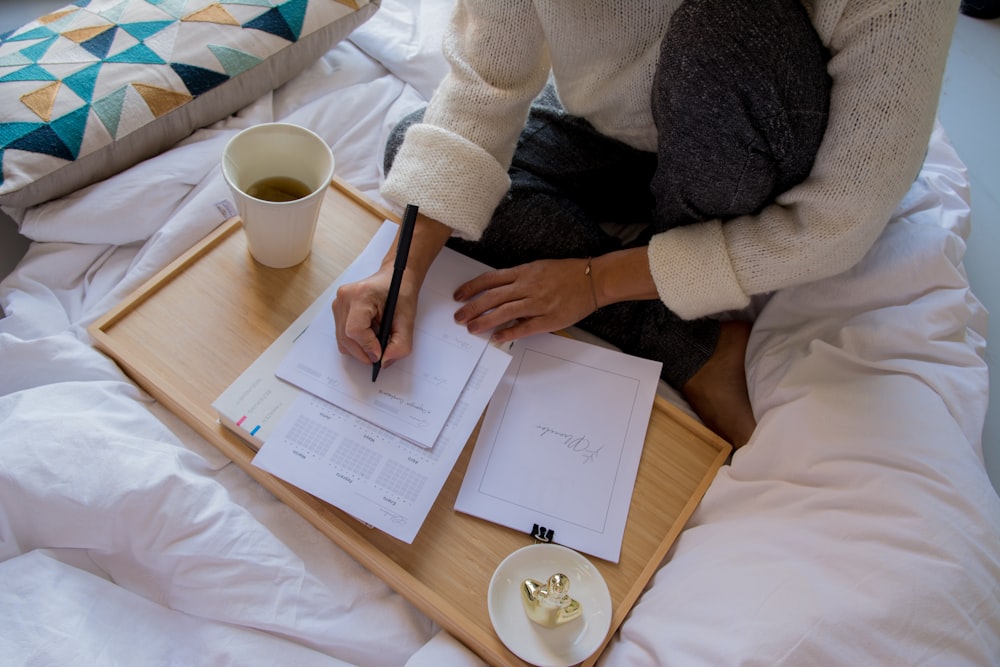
{"x":274,"y":23}
{"x":41,"y":32}
{"x":144,"y":29}
{"x":234,"y":62}
{"x":252,"y":3}
{"x":82,"y":83}
{"x":36,"y":51}
{"x":294,"y":12}
{"x":42,"y":140}
{"x":15,"y":60}
{"x":11,"y":132}
{"x":114,"y":14}
{"x":109,"y":109}
{"x":198,"y":79}
{"x":70,"y":129}
{"x":174,"y":8}
{"x":30,"y":73}
{"x":139,"y":54}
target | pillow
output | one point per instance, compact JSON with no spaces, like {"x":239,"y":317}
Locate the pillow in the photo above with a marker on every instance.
{"x":91,"y":89}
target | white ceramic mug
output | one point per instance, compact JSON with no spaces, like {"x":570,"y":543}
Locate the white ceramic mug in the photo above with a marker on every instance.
{"x":279,"y":233}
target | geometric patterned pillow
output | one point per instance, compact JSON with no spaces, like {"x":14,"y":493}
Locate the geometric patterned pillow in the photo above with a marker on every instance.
{"x":99,"y":85}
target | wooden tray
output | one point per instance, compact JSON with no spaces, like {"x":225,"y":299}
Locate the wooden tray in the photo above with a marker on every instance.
{"x":192,"y":329}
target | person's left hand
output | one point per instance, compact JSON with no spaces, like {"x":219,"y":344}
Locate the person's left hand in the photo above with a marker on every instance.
{"x":538,"y":297}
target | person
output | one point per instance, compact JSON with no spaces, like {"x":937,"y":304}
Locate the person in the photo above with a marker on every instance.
{"x":643,"y":169}
{"x":981,"y":9}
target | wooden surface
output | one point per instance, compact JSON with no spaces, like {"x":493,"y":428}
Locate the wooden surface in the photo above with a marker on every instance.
{"x":191,"y":330}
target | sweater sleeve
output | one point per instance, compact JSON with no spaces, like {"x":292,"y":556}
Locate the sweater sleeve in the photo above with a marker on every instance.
{"x":454,"y":164}
{"x":887,"y":62}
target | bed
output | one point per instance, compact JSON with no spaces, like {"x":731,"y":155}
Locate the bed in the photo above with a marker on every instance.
{"x":858,"y":526}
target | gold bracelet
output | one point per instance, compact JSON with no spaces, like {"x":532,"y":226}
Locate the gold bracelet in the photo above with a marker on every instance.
{"x":593,"y":290}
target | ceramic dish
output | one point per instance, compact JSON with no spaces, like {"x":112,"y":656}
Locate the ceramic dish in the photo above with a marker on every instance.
{"x":549,"y":647}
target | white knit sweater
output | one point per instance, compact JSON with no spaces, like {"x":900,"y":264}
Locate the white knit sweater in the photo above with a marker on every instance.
{"x":887,"y":62}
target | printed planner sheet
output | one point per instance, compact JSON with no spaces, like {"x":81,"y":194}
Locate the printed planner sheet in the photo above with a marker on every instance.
{"x":413,"y":397}
{"x":560,"y":443}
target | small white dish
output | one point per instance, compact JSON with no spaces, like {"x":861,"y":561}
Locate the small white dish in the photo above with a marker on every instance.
{"x":549,"y":647}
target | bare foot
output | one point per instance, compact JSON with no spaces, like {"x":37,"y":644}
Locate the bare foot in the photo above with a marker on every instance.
{"x":718,"y":391}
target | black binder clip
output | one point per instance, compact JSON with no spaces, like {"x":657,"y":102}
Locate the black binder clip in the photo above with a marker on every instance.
{"x":541,"y":534}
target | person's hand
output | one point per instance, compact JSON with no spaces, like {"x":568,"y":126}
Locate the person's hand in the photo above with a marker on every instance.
{"x":538,"y":297}
{"x":358,"y":309}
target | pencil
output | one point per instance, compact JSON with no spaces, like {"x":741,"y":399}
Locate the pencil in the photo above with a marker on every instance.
{"x":398,"y":266}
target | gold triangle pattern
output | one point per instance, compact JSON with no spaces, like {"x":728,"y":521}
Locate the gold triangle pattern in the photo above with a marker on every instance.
{"x":212,"y":14}
{"x":161,"y":100}
{"x":81,"y":35}
{"x":42,"y":101}
{"x":55,"y":16}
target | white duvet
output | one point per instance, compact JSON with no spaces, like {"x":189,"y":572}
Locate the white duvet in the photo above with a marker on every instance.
{"x":858,"y":527}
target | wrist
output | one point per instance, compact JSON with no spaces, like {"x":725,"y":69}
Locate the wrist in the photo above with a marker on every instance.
{"x":589,"y":272}
{"x":429,"y":236}
{"x":622,"y":275}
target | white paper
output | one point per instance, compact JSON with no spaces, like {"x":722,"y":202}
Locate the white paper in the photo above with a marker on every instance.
{"x":414,"y":396}
{"x":561,"y":442}
{"x":370,"y":473}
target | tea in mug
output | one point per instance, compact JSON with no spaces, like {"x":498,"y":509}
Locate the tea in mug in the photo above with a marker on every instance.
{"x":279,"y":189}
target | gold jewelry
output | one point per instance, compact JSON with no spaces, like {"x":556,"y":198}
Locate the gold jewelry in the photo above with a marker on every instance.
{"x":593,"y":290}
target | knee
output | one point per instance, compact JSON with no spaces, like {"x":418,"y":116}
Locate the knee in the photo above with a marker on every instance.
{"x":740,"y":100}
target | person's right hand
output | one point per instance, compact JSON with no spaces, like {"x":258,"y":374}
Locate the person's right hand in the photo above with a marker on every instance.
{"x":358,"y":309}
{"x":359,"y":306}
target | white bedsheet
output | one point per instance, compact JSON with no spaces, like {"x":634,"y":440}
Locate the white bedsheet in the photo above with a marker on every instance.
{"x":857,"y":527}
